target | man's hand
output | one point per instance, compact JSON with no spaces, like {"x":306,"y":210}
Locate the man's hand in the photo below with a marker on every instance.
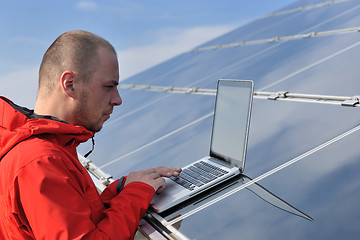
{"x":153,"y":176}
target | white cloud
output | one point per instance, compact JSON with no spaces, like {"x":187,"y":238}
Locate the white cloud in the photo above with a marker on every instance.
{"x":20,"y":86}
{"x":86,"y":5}
{"x":169,"y":43}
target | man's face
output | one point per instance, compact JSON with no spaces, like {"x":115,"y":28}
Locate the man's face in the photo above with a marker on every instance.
{"x":99,"y":94}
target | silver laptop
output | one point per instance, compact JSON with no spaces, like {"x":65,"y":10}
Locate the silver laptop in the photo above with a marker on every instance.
{"x":227,"y":149}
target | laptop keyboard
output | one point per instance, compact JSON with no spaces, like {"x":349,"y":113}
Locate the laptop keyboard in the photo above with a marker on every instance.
{"x":198,"y":174}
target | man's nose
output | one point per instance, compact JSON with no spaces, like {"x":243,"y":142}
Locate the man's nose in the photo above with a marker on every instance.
{"x":116,"y":99}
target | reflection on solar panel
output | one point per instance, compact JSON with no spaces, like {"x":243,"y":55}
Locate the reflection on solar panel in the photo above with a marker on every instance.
{"x":303,"y":152}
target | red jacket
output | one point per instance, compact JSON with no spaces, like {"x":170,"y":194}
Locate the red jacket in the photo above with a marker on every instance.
{"x":45,"y":193}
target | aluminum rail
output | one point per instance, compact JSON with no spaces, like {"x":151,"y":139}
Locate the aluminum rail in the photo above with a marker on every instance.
{"x":168,"y":89}
{"x":303,"y":8}
{"x":352,"y":101}
{"x":277,"y":39}
{"x":100,"y":178}
{"x":313,"y":98}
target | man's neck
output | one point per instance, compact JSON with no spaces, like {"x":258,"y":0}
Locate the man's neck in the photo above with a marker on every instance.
{"x":52,"y":106}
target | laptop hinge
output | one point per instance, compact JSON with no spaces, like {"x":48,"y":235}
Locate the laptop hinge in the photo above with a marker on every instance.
{"x":220,"y":162}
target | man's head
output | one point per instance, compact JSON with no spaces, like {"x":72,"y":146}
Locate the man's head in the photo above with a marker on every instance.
{"x":78,"y":80}
{"x":72,"y":50}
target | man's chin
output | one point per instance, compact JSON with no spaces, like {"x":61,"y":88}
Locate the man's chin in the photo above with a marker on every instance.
{"x":94,"y":129}
{"x":98,"y":129}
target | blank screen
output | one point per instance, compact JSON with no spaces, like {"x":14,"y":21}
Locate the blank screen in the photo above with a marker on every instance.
{"x":231,"y":120}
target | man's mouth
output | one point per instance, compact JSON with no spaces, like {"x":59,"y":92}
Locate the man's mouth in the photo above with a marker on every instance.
{"x":107,"y":114}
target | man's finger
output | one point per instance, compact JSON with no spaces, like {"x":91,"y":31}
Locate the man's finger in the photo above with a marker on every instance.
{"x":168,"y":171}
{"x":154,"y":175}
{"x":148,"y":170}
{"x":159,"y":184}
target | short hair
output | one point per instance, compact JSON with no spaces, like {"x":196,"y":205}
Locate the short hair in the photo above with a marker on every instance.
{"x":74,"y":50}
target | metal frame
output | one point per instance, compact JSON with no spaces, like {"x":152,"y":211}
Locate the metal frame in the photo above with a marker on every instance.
{"x":347,"y":101}
{"x":277,"y":39}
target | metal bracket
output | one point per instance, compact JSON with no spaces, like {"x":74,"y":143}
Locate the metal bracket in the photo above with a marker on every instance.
{"x":102,"y":177}
{"x":145,"y":87}
{"x":167,"y":89}
{"x":191,"y":90}
{"x":85,"y":162}
{"x":351,"y":102}
{"x":280,"y":94}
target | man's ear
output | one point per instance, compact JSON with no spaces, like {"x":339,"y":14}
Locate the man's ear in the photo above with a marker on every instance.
{"x":67,"y":81}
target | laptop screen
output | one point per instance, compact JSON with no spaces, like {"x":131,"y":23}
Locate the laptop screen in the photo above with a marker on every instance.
{"x":231,"y":121}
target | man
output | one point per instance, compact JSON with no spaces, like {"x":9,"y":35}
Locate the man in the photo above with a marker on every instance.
{"x":45,"y":193}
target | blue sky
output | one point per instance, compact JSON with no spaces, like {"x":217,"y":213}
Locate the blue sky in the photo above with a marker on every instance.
{"x":143,"y":32}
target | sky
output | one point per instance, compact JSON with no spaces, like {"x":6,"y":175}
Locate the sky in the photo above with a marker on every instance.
{"x":144,"y":33}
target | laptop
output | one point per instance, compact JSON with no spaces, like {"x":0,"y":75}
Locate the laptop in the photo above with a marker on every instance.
{"x":227,"y":148}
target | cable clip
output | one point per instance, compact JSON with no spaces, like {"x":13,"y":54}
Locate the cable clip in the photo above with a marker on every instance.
{"x":280,"y":94}
{"x":351,"y":102}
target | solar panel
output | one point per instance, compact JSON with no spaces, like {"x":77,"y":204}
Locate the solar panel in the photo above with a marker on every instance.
{"x":165,"y":128}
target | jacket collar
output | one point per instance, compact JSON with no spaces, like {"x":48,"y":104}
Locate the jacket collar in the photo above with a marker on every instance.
{"x":18,"y":123}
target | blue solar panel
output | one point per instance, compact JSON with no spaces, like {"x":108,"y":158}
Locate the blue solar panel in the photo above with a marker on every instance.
{"x":157,"y":128}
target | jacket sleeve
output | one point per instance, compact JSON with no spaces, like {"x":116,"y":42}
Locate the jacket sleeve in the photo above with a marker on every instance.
{"x":124,"y":209}
{"x":112,"y":191}
{"x":50,"y":201}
